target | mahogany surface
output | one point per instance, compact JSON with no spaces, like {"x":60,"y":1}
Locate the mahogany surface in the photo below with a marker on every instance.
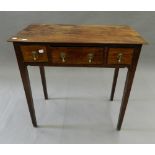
{"x":60,"y":33}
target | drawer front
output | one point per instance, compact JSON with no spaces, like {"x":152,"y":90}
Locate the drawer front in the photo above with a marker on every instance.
{"x":35,"y":53}
{"x":120,"y":56}
{"x":77,"y":55}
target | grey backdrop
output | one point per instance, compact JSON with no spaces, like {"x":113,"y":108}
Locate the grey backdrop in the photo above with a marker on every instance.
{"x":80,"y":112}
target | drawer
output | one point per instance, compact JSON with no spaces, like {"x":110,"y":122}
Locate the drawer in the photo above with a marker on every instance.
{"x":34,"y":53}
{"x":77,"y":55}
{"x":120,"y":55}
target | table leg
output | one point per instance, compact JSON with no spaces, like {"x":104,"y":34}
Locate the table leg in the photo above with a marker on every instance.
{"x":43,"y":79}
{"x":128,"y":85}
{"x":126,"y":94}
{"x":26,"y":84}
{"x":114,"y":83}
{"x":28,"y":93}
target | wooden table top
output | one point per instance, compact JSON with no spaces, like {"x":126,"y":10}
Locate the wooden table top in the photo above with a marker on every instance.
{"x":60,"y":33}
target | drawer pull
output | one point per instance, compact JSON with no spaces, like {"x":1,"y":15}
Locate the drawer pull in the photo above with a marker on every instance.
{"x":90,"y":57}
{"x":119,"y":57}
{"x":63,"y":56}
{"x":34,"y":55}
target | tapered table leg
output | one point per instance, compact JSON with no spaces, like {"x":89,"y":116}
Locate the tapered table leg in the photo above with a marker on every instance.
{"x":26,"y":84}
{"x":28,"y":93}
{"x":128,"y":86}
{"x":114,"y":83}
{"x":126,"y":94}
{"x":43,"y":79}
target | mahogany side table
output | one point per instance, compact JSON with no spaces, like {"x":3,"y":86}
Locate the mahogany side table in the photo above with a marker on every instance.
{"x":112,"y":46}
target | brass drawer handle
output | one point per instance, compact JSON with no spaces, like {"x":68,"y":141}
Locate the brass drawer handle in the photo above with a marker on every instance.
{"x":119,"y":57}
{"x":63,"y":56}
{"x":90,"y":57}
{"x":35,"y":55}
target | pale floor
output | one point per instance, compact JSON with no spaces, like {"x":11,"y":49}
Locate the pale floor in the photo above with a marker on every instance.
{"x":79,"y":110}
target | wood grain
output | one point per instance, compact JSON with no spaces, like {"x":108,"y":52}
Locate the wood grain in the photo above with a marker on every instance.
{"x":27,"y":53}
{"x":127,"y":54}
{"x":59,"y":33}
{"x":76,"y":55}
